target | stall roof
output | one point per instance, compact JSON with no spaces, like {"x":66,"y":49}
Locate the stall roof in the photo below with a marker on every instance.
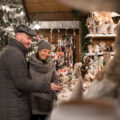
{"x":47,"y":10}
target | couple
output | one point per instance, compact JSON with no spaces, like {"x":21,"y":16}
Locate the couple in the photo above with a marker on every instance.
{"x":17,"y":83}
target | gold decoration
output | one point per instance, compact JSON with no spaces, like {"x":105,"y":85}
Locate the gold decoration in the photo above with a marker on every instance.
{"x":51,"y":32}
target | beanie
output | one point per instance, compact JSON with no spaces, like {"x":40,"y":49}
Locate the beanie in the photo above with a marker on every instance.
{"x":44,"y":45}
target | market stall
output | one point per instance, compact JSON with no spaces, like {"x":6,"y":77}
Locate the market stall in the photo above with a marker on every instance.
{"x":64,"y":31}
{"x":65,"y":37}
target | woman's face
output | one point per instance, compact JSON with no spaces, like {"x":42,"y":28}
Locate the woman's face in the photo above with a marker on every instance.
{"x":44,"y":54}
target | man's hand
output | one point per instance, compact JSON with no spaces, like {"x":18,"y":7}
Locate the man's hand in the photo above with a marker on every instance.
{"x":55,"y":87}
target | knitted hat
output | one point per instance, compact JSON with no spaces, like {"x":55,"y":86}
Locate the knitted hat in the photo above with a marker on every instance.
{"x":44,"y":45}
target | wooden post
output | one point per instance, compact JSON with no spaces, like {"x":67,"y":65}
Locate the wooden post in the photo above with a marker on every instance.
{"x":78,"y":44}
{"x":80,"y":39}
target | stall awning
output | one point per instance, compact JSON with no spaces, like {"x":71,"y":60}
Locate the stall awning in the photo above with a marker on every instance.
{"x":47,"y":10}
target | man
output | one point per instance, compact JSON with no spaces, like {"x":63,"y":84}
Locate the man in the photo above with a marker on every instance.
{"x":14,"y":81}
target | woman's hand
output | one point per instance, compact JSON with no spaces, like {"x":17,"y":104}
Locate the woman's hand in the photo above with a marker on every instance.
{"x":55,"y":87}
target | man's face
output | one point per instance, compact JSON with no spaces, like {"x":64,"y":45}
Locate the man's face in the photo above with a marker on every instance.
{"x":25,"y":39}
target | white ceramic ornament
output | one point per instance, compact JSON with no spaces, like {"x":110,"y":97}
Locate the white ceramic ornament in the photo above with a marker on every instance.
{"x":103,"y":28}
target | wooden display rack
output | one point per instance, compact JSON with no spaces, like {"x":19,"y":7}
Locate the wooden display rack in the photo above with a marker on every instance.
{"x":97,"y":38}
{"x":54,"y":37}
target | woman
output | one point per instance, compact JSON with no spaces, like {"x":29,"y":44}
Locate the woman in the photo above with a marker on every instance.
{"x":42,"y":68}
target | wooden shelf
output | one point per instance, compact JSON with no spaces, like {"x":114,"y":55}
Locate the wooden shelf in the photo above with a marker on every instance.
{"x":99,"y":54}
{"x":101,"y":36}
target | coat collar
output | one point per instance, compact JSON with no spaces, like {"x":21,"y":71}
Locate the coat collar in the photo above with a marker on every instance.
{"x":19,"y":45}
{"x":39,"y":65}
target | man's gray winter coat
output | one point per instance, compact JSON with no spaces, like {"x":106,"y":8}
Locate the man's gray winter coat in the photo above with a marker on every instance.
{"x":15,"y":84}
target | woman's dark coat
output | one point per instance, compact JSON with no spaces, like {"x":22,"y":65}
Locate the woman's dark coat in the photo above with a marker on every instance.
{"x":15,"y":84}
{"x":41,"y":103}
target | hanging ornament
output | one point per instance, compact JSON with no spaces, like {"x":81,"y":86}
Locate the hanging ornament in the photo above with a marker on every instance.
{"x":18,"y":10}
{"x":6,"y":24}
{"x":74,"y":34}
{"x":51,"y":32}
{"x":58,"y":35}
{"x":66,"y":32}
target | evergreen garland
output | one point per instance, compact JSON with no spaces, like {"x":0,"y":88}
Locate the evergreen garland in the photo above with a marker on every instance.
{"x":84,"y":41}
